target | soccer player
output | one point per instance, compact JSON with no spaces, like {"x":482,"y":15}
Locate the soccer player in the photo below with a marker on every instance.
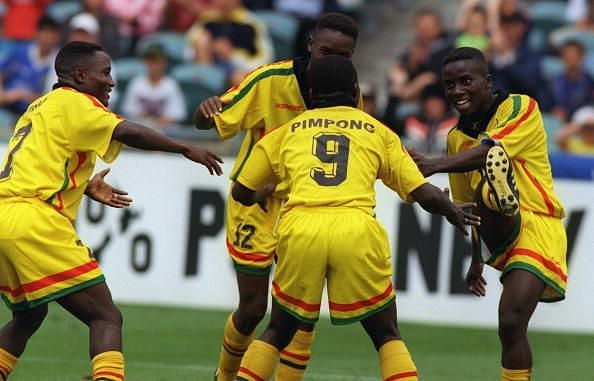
{"x":42,"y":179}
{"x":330,"y":157}
{"x":267,"y":98}
{"x":497,"y":156}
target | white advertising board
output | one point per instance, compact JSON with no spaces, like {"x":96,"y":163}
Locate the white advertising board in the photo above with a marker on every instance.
{"x":169,"y":248}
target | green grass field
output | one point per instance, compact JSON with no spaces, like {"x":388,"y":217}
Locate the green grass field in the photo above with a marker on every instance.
{"x":183,"y":344}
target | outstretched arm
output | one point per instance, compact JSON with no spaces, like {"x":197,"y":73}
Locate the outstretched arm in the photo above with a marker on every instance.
{"x":465,"y":161}
{"x":249,"y":197}
{"x":434,"y":200}
{"x":138,"y":136}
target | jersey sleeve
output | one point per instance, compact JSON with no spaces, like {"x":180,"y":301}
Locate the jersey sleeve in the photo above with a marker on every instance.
{"x":91,"y":127}
{"x":247,"y":106}
{"x":263,"y":165}
{"x":399,"y":171}
{"x":520,"y":127}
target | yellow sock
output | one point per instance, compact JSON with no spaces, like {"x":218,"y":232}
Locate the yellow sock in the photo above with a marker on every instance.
{"x":232,"y":350}
{"x":259,"y":362}
{"x":108,"y":366}
{"x":515,"y":374}
{"x":294,"y":358}
{"x":7,"y":364}
{"x":396,"y":363}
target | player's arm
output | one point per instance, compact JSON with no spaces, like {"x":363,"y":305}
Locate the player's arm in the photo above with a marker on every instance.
{"x":474,"y":276}
{"x":249,"y":197}
{"x":100,"y":191}
{"x":466,"y":161}
{"x":138,"y":136}
{"x":436,"y":201}
{"x":206,"y":111}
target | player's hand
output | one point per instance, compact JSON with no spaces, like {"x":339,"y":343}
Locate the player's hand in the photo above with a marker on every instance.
{"x":424,"y":163}
{"x":261,"y":196}
{"x":460,"y":215}
{"x":475,"y":280}
{"x":102,"y":192}
{"x":212,"y":106}
{"x":204,"y":157}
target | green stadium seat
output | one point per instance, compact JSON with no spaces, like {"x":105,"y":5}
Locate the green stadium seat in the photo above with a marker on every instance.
{"x":282,"y":29}
{"x":552,"y":125}
{"x":61,"y":11}
{"x":173,"y":43}
{"x":198,"y":82}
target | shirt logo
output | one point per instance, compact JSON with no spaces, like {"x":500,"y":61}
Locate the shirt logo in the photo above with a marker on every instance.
{"x":285,"y":106}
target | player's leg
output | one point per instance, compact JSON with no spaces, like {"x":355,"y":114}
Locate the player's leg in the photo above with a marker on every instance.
{"x":241,"y":324}
{"x":94,"y":307}
{"x":263,"y":354}
{"x":296,"y":355}
{"x":395,"y":360}
{"x":15,"y":334}
{"x":521,"y":293}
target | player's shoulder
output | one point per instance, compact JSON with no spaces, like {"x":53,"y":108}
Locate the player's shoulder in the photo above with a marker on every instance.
{"x":515,"y":104}
{"x":280,"y":69}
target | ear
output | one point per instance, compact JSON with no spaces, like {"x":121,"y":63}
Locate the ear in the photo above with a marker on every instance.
{"x":489,"y":81}
{"x":79,"y":75}
{"x":310,"y":41}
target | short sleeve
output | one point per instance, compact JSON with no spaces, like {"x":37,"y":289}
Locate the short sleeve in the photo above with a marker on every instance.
{"x":519,"y":126}
{"x":263,"y":166}
{"x":399,"y":171}
{"x":91,"y":127}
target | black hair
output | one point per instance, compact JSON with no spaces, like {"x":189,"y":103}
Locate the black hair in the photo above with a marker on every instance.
{"x":338,"y":22}
{"x":576,"y":44}
{"x":467,"y":54}
{"x":73,"y":55}
{"x":47,"y":22}
{"x":333,"y":74}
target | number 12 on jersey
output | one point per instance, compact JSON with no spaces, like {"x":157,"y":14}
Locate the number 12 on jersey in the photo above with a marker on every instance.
{"x":330,"y":148}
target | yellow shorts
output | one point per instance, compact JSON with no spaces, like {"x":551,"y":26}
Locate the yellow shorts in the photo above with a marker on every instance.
{"x":251,"y":240}
{"x":538,"y":245}
{"x":349,"y":249}
{"x":41,"y":257}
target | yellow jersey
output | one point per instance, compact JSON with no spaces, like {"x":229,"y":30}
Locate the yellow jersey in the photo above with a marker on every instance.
{"x":268,"y":97}
{"x":51,"y":155}
{"x":331,"y":157}
{"x":514,"y":121}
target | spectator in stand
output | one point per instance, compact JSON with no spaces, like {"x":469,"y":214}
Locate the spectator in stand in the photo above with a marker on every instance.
{"x":516,"y":67}
{"x":138,"y":18}
{"x":418,"y":67}
{"x":578,"y":136}
{"x":574,"y":88}
{"x":154,"y":99}
{"x":23,"y":73}
{"x":21,"y":18}
{"x":231,"y":37}
{"x":472,"y":24}
{"x":110,"y":37}
{"x":426,"y":132}
{"x":182,"y":14}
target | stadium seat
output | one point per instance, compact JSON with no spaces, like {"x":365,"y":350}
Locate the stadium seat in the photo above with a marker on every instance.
{"x":552,"y":125}
{"x":198,"y":82}
{"x":173,"y":43}
{"x":61,"y":11}
{"x":282,"y":29}
{"x":548,"y":11}
{"x":551,"y":67}
{"x":124,"y":69}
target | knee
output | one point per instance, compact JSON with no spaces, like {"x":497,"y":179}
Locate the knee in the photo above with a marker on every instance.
{"x":511,"y":325}
{"x":251,"y":313}
{"x":31,"y":320}
{"x":111,"y":315}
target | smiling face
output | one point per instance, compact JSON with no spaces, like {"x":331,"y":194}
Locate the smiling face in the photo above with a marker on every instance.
{"x":468,"y":86}
{"x":94,"y":77}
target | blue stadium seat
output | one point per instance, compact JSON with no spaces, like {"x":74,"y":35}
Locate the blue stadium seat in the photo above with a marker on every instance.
{"x":61,"y":11}
{"x":552,"y":125}
{"x":124,"y":69}
{"x":282,"y":29}
{"x":173,"y":43}
{"x":551,"y":67}
{"x":548,"y":11}
{"x":198,"y":82}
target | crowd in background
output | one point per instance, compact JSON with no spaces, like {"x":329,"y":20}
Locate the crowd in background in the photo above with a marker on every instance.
{"x":170,"y":54}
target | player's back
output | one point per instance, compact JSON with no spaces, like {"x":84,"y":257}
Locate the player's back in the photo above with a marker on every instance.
{"x":331,"y":157}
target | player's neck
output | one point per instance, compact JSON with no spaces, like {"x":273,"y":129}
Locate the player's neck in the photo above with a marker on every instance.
{"x":333,"y":100}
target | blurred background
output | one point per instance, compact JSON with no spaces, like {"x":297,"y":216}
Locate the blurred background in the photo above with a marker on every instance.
{"x":165,"y":258}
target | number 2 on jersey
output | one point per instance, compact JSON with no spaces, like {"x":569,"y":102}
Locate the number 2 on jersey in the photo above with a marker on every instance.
{"x":22,"y":134}
{"x":330,"y":148}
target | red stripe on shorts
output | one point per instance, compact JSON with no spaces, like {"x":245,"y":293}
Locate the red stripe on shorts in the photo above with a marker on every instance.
{"x":247,"y":256}
{"x":545,"y":262}
{"x":363,"y":303}
{"x":299,"y":303}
